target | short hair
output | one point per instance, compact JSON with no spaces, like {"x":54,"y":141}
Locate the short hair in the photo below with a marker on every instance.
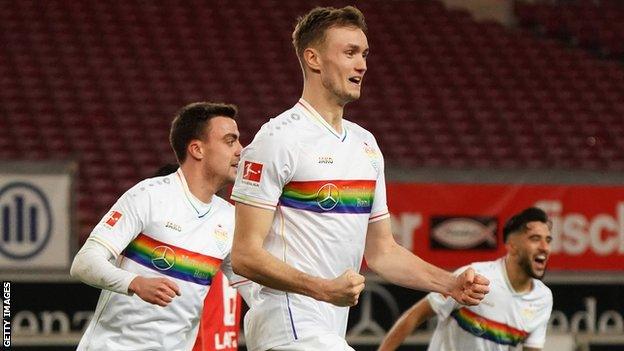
{"x":189,"y":123}
{"x":310,"y":28}
{"x":518,"y":223}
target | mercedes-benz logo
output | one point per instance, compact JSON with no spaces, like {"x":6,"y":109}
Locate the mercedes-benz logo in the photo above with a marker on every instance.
{"x":163,"y":258}
{"x":328,"y":196}
{"x":478,"y":326}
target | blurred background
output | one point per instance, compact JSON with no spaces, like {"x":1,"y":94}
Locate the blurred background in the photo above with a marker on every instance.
{"x":481,"y":108}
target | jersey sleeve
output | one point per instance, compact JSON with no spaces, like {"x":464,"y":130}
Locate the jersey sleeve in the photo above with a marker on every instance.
{"x":241,"y":284}
{"x":233,"y":278}
{"x":441,"y":305}
{"x":266,"y":165}
{"x":537,"y":338}
{"x":123,"y":222}
{"x":379,"y":209}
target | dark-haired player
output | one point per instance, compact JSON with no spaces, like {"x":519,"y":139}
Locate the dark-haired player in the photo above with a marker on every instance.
{"x":515,"y":312}
{"x":155,"y":254}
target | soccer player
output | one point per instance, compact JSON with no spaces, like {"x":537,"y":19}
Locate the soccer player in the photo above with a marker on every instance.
{"x":517,"y":309}
{"x":220,"y":320}
{"x":310,"y":203}
{"x":157,"y":250}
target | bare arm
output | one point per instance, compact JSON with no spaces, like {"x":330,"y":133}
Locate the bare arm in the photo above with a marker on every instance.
{"x":251,"y":260}
{"x":406,"y":324}
{"x":397,"y":265}
{"x":524,"y":348}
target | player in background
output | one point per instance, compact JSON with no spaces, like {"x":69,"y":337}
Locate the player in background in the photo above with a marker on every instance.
{"x":156,"y":252}
{"x":219,"y":325}
{"x":515,"y":312}
{"x":311,"y":202}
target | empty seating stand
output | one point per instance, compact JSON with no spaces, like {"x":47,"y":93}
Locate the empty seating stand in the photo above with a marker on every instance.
{"x":99,"y":81}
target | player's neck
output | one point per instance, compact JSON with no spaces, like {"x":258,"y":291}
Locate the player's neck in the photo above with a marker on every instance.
{"x":321,"y":100}
{"x":197,"y":184}
{"x":519,"y":280}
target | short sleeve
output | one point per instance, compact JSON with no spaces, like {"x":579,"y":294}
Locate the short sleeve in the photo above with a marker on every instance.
{"x":379,"y":209}
{"x":124,"y":221}
{"x":266,"y":165}
{"x":243,"y":285}
{"x":441,"y":305}
{"x":537,"y":338}
{"x":233,"y":278}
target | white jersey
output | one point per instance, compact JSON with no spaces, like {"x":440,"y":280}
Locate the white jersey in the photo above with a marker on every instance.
{"x":325,"y":188}
{"x":159,"y":229}
{"x":503,"y":321}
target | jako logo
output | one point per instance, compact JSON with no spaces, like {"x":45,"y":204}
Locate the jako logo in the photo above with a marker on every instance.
{"x":25,"y":220}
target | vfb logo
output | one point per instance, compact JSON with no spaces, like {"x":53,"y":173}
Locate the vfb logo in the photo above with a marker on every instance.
{"x":25,"y":220}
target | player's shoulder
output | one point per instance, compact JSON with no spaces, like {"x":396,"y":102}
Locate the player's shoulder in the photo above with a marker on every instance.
{"x":358,"y":130}
{"x":152,"y":187}
{"x":485,"y":265}
{"x":284,"y":127}
{"x":542,"y":290}
{"x":283,"y":132}
{"x":489,"y":269}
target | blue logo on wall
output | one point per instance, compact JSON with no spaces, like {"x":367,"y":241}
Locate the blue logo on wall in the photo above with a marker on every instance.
{"x":25,"y":220}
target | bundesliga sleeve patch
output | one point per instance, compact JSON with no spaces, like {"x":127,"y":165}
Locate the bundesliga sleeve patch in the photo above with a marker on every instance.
{"x":252,"y":171}
{"x":113,"y":218}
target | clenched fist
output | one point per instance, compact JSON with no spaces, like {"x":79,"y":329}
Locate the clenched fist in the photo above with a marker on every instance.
{"x":345,"y":290}
{"x":158,"y":291}
{"x":470,"y":288}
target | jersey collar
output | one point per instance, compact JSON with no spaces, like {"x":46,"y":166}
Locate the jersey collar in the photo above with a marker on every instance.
{"x":506,"y":278}
{"x":200,"y":207}
{"x":316,"y":117}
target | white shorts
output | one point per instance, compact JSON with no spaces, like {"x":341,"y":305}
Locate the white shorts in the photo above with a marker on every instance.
{"x":327,"y":342}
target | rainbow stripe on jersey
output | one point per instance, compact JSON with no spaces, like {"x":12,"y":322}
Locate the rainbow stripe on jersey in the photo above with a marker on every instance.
{"x":488,"y":329}
{"x":329,"y":196}
{"x":173,"y":261}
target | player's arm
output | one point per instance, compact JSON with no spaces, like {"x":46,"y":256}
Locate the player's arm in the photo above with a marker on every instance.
{"x":251,"y":260}
{"x":406,"y":324}
{"x":93,"y":265}
{"x":537,"y":337}
{"x":397,"y":265}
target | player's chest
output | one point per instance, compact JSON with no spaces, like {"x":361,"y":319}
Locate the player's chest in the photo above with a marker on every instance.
{"x":511,"y":310}
{"x":190,"y":234}
{"x":331,"y":159}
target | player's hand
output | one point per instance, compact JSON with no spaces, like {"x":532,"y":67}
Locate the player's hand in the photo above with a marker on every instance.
{"x":158,"y":291}
{"x":470,"y":288}
{"x":345,"y":290}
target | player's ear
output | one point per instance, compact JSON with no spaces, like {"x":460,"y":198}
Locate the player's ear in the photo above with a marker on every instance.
{"x":195,"y":149}
{"x":511,"y":244}
{"x":312,"y":60}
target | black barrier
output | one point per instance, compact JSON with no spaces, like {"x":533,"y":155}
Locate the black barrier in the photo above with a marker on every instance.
{"x":55,"y":314}
{"x":50,"y":316}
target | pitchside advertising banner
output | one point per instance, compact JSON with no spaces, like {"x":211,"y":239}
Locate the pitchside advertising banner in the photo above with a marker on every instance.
{"x":451,"y":225}
{"x":59,"y":316}
{"x":35,"y":217}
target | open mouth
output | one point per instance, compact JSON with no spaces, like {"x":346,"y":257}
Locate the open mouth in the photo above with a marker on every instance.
{"x":356,"y":80}
{"x":540,"y":260}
